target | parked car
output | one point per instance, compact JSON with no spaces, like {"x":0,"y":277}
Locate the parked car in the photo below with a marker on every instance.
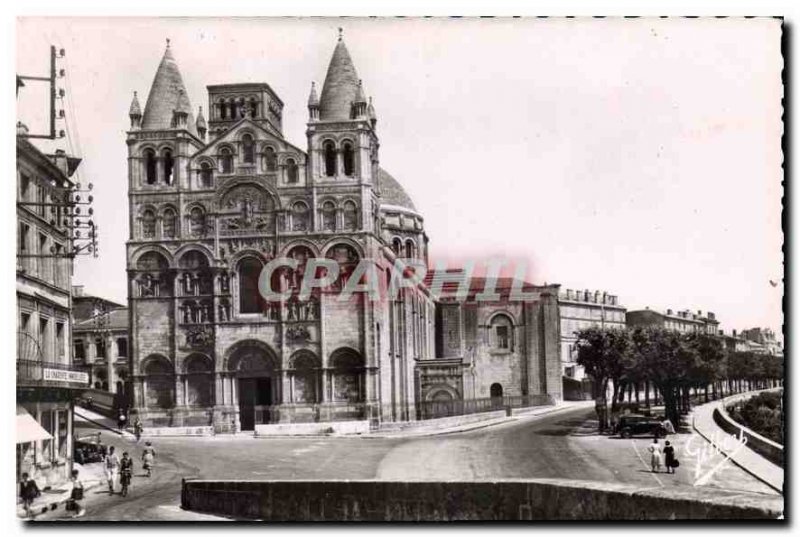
{"x":86,"y":452}
{"x":636,"y":425}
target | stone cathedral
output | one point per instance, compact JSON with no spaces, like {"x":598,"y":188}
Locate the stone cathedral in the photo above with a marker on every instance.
{"x":213,"y":200}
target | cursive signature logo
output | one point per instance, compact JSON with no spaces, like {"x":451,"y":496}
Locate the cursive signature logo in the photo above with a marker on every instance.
{"x":705,"y":452}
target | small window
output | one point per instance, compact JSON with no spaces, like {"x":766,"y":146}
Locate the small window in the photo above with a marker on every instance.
{"x":148,"y":224}
{"x":223,"y":110}
{"x":197,"y":221}
{"x":80,"y":350}
{"x":328,"y":216}
{"x":349,"y":159}
{"x":227,"y":160}
{"x":299,"y":216}
{"x":291,"y":171}
{"x":270,"y":160}
{"x":24,"y":187}
{"x":122,"y":347}
{"x":330,"y":159}
{"x":100,"y":345}
{"x":169,"y":224}
{"x":248,"y":149}
{"x":502,"y":337}
{"x":249,"y":296}
{"x":350,"y":216}
{"x":409,"y":249}
{"x":168,"y":162}
{"x":150,"y":166}
{"x":206,"y":175}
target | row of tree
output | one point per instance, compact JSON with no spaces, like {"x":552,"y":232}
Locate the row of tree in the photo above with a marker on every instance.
{"x":670,"y":364}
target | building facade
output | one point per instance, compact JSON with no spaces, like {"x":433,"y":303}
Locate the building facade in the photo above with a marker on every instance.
{"x":684,"y":321}
{"x":212,"y":201}
{"x":100,"y":341}
{"x":47,"y":381}
{"x":584,"y":309}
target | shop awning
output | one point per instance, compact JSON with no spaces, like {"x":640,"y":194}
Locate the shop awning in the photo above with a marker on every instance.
{"x":28,"y":429}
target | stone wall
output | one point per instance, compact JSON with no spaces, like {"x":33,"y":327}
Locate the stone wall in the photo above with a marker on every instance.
{"x":772,"y":451}
{"x":541,"y":499}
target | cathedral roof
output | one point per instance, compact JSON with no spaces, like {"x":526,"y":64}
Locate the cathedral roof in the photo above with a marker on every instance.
{"x":167,"y":93}
{"x":136,"y":109}
{"x":392,"y":193}
{"x":340,"y":87}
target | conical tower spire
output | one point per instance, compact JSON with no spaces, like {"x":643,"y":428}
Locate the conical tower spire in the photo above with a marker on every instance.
{"x":341,"y":85}
{"x":200,"y":124}
{"x":167,"y":94}
{"x":135,"y":112}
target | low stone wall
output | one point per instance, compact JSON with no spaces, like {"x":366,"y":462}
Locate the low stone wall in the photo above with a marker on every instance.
{"x":331,"y":427}
{"x":178,"y":431}
{"x":443,"y":423}
{"x":772,"y":451}
{"x":538,"y":499}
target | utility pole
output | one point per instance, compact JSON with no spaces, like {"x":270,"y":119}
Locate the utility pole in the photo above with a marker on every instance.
{"x":53,"y":92}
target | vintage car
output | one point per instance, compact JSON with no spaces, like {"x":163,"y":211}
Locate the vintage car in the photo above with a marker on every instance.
{"x":86,"y":452}
{"x":637,"y":425}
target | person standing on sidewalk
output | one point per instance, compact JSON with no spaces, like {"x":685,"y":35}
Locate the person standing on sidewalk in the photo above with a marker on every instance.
{"x":122,"y":419}
{"x":655,"y":455}
{"x":111,"y":466}
{"x":137,"y":428}
{"x":76,"y":496}
{"x":28,"y":491}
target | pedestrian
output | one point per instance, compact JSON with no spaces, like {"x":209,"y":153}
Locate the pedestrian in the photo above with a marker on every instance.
{"x":76,"y":496}
{"x":655,"y":455}
{"x":669,"y":458}
{"x":125,"y":472}
{"x":121,"y":420}
{"x":28,"y":491}
{"x":148,"y":458}
{"x":668,"y":427}
{"x":111,"y":465}
{"x":137,"y":428}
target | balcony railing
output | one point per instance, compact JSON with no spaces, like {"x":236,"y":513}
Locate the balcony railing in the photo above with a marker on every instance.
{"x":38,"y":373}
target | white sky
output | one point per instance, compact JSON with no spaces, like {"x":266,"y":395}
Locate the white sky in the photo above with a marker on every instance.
{"x":638,"y":156}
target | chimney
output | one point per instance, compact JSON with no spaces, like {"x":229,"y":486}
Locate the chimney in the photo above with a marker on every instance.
{"x":77,"y":290}
{"x":669,"y":312}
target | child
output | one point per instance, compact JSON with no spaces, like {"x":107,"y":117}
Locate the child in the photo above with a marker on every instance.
{"x":28,"y":491}
{"x":76,"y":496}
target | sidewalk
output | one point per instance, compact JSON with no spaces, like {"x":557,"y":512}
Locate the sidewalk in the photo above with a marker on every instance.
{"x":90,"y":475}
{"x":84,"y":415}
{"x":747,"y":459}
{"x":426,"y":429}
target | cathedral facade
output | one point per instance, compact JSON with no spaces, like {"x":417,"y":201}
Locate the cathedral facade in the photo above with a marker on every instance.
{"x":212,"y":201}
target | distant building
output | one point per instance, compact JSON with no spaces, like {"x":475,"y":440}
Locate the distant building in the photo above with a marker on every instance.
{"x":684,"y":321}
{"x":762,"y":341}
{"x":100,"y":341}
{"x":584,"y":309}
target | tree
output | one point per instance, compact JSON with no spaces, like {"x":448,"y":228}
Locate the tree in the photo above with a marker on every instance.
{"x":665,"y":359}
{"x":604,"y":354}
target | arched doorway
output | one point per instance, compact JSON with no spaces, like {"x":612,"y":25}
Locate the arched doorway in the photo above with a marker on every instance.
{"x":496,"y":393}
{"x":159,"y":383}
{"x":256,"y":383}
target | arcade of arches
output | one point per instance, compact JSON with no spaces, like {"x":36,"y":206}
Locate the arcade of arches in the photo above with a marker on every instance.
{"x":253,"y":389}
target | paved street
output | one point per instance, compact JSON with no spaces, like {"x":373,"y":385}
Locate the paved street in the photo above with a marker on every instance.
{"x":563,"y":444}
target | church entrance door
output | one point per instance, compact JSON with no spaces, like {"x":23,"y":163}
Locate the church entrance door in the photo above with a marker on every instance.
{"x":255,"y":400}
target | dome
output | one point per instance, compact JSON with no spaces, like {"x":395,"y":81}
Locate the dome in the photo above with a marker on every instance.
{"x":392,"y":193}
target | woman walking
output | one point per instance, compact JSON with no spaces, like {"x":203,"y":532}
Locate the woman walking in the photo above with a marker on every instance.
{"x":148,"y":458}
{"x":655,"y":455}
{"x":669,"y":458}
{"x":76,"y":496}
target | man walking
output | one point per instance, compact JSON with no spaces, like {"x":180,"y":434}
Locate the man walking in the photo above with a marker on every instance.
{"x":111,"y":466}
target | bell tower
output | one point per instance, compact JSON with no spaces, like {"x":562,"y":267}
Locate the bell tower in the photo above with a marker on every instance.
{"x":342,"y":138}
